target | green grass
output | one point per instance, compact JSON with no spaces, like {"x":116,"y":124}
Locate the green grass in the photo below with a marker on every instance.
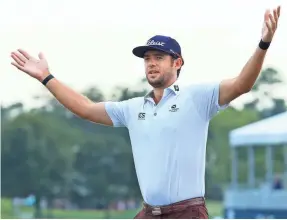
{"x":214,"y":209}
{"x":64,"y":214}
{"x":6,"y":209}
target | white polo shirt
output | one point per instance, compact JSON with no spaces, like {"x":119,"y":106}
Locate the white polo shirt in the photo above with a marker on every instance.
{"x":169,"y":140}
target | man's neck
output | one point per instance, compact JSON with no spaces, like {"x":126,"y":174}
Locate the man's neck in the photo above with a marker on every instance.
{"x":158,"y":92}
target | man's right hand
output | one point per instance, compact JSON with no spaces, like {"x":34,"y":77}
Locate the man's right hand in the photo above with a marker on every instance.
{"x":37,"y":68}
{"x":72,"y":100}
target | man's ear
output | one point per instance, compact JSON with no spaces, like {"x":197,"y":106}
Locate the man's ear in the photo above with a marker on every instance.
{"x":178,"y":62}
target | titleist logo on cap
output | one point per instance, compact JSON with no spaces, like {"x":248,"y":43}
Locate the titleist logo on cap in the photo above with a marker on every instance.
{"x":157,"y":43}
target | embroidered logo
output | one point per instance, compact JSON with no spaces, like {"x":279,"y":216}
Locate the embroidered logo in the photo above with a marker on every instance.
{"x":176,"y":88}
{"x":141,"y":116}
{"x":156,"y":43}
{"x":173,"y":108}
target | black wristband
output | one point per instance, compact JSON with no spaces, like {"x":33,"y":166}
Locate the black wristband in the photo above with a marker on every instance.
{"x":47,"y":79}
{"x":264,"y":45}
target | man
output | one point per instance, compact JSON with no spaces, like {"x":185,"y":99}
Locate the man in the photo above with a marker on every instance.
{"x":168,"y":127}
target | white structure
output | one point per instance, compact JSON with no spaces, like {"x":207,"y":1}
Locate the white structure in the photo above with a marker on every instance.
{"x":243,"y":203}
{"x":272,"y":131}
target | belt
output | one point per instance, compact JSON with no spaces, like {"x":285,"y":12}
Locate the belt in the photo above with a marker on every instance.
{"x":175,"y":207}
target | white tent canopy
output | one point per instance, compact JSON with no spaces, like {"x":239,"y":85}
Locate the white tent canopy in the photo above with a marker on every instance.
{"x":269,"y":131}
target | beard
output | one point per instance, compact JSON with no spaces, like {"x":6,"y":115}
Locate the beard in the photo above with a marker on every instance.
{"x":157,"y":82}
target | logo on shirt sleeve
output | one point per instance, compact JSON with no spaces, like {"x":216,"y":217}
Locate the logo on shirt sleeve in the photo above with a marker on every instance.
{"x":141,"y":116}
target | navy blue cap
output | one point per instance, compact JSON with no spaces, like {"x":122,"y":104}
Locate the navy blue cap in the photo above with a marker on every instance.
{"x":161,"y":43}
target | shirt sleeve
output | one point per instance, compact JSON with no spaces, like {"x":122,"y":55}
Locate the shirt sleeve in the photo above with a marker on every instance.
{"x":206,"y":99}
{"x":118,"y":113}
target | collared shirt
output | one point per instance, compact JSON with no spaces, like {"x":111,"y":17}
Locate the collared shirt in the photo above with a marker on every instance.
{"x":169,"y":139}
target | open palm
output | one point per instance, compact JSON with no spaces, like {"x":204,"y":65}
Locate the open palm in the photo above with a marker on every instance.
{"x":36,"y":68}
{"x":270,"y":24}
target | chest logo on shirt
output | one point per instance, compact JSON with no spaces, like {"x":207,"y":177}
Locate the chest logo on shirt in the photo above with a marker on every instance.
{"x":173,"y":108}
{"x":141,"y":116}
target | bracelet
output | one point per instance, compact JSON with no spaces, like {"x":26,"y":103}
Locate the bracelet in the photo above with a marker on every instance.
{"x":264,"y":45}
{"x":47,"y":79}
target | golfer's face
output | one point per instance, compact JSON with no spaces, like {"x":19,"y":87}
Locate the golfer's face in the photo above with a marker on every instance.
{"x":157,"y":65}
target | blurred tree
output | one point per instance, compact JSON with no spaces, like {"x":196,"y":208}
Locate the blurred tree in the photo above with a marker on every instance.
{"x":218,"y":150}
{"x":263,"y":92}
{"x":11,"y":111}
{"x":105,"y":163}
{"x":36,"y":156}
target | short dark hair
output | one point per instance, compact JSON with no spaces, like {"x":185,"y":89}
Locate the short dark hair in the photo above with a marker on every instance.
{"x":178,"y":72}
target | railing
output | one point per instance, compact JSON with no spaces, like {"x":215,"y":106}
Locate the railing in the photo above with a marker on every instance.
{"x":256,"y":199}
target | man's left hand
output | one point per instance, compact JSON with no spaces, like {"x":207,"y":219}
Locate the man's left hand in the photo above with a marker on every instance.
{"x":270,"y":24}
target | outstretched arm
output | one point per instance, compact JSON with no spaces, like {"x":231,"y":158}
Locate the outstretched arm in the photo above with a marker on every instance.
{"x":75,"y":102}
{"x":230,"y":89}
